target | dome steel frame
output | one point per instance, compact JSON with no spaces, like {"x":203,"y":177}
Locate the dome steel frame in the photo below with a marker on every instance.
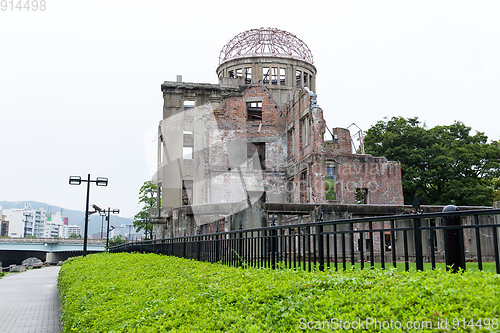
{"x":265,"y":42}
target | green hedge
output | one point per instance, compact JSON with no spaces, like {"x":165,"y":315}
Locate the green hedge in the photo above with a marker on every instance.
{"x":152,"y":293}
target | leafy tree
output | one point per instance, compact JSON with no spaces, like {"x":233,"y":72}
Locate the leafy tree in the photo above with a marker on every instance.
{"x":442,"y":165}
{"x":147,"y":196}
{"x":117,"y":240}
{"x":73,"y":235}
{"x":330,"y":189}
{"x":496,"y":189}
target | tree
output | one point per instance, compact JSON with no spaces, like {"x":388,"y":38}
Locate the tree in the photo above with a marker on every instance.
{"x":73,"y":235}
{"x":330,"y":193}
{"x":117,"y":240}
{"x":496,"y":189}
{"x":147,"y":196}
{"x":442,"y":165}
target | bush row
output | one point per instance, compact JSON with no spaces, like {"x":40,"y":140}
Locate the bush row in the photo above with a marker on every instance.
{"x":152,"y":293}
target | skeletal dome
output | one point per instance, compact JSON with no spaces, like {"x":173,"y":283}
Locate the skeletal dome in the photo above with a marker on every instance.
{"x":269,"y":56}
{"x":270,"y":42}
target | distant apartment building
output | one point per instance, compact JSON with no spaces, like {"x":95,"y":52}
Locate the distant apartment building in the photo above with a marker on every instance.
{"x":17,"y":222}
{"x":68,"y":230}
{"x":4,"y":228}
{"x":51,"y":229}
{"x":40,"y":217}
{"x":14,"y":219}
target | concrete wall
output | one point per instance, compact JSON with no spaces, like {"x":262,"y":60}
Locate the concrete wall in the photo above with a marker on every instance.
{"x":305,"y":167}
{"x":281,"y":91}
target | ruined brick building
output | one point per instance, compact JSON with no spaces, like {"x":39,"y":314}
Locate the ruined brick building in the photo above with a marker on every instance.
{"x":257,"y":143}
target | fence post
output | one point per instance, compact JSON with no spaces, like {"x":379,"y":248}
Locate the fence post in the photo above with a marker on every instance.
{"x":273,"y":252}
{"x":419,"y":260}
{"x":351,"y":241}
{"x":217,"y":243}
{"x":198,"y":244}
{"x":453,"y":248}
{"x":240,"y":244}
{"x":321,"y":249}
{"x":184,"y":245}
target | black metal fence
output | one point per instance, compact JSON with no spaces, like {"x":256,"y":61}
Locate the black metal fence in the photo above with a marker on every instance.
{"x":451,"y":238}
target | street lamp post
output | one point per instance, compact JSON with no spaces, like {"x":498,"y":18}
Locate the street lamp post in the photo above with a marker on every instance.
{"x":102,"y":225}
{"x":77,"y":180}
{"x":107,"y":214}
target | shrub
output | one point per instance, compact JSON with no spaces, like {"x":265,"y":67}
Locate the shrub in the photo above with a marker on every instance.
{"x":152,"y":293}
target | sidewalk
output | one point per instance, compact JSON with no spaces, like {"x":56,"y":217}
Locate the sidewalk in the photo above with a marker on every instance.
{"x":29,"y":301}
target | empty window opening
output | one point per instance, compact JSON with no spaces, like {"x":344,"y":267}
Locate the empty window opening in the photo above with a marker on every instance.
{"x":361,"y":196}
{"x":304,"y":123}
{"x":305,"y":79}
{"x":368,"y":244}
{"x":256,"y":155}
{"x":187,"y":139}
{"x":304,"y":198}
{"x":265,"y":75}
{"x":254,"y":111}
{"x":298,"y":78}
{"x":387,"y":242}
{"x":330,"y":172}
{"x":239,"y":72}
{"x":290,"y":143}
{"x":187,"y":192}
{"x":189,"y":104}
{"x":282,"y":76}
{"x":231,"y":74}
{"x":187,"y":153}
{"x":290,"y":186}
{"x":274,"y":76}
{"x":248,"y":75}
{"x":330,"y":188}
{"x":187,"y":145}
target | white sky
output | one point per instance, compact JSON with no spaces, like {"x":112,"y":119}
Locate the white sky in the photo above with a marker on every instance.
{"x":80,"y":81}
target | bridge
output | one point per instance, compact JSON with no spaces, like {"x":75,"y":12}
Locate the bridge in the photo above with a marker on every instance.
{"x":15,"y":250}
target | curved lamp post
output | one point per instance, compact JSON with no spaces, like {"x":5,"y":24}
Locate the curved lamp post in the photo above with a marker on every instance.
{"x":77,"y":180}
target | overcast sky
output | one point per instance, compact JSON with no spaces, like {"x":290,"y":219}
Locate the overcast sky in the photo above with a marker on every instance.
{"x":80,"y":81}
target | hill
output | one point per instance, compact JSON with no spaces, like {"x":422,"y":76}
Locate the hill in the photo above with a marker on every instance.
{"x":74,"y":216}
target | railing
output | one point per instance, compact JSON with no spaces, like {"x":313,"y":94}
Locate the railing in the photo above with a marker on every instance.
{"x":51,"y":240}
{"x":378,"y":241}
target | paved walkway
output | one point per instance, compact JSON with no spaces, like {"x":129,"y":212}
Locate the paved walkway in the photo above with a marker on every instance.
{"x":29,"y":301}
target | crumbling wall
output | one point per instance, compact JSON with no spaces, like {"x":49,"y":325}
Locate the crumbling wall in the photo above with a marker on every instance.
{"x":362,"y":179}
{"x":379,"y":177}
{"x":305,"y":169}
{"x":226,"y":183}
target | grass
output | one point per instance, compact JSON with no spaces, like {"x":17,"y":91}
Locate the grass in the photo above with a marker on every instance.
{"x":152,"y":293}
